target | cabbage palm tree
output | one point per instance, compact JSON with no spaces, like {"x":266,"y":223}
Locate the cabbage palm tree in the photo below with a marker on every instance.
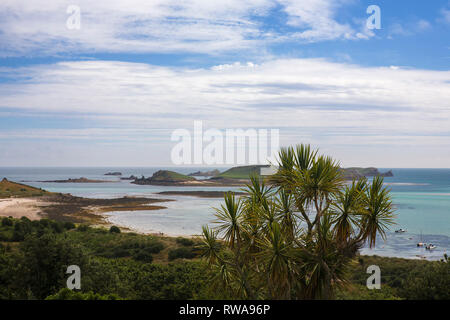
{"x":294,"y":235}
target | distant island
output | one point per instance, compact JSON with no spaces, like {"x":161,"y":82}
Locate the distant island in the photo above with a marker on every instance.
{"x":237,"y":176}
{"x":113,"y":174}
{"x":358,"y":173}
{"x":211,"y":173}
{"x":172,"y":178}
{"x":164,"y":177}
{"x":77,"y":180}
{"x":132,"y":177}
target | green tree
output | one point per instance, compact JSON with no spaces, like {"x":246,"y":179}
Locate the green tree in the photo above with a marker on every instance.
{"x":295,"y":235}
{"x":44,"y":263}
{"x":429,"y":282}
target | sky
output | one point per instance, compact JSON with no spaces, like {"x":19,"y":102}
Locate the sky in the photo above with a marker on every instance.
{"x":106,"y":83}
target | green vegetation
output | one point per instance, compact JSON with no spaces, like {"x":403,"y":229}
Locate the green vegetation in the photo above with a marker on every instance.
{"x":114,"y":265}
{"x":13,"y":189}
{"x":164,"y":177}
{"x":181,"y":253}
{"x":185,"y":242}
{"x":243,"y":172}
{"x":132,"y":266}
{"x":409,"y":279}
{"x":67,"y":294}
{"x":170,"y":176}
{"x":114,"y":229}
{"x":268,"y":255}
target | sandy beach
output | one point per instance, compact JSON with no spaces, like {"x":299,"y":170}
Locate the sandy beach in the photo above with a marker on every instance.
{"x":21,"y":207}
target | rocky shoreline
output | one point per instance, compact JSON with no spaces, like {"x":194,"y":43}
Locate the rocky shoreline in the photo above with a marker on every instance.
{"x":200,"y":194}
{"x":78,"y":180}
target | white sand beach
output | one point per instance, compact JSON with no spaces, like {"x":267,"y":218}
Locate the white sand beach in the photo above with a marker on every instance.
{"x":20,"y":207}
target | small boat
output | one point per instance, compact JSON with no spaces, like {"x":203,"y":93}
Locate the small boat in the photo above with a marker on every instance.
{"x":421,"y":244}
{"x":430,"y":247}
{"x":400,"y":230}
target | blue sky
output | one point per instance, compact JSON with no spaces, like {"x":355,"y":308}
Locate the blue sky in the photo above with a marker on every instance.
{"x":113,"y":91}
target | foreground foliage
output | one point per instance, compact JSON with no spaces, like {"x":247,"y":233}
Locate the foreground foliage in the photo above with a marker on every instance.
{"x":33,"y":263}
{"x":297,"y":237}
{"x":34,"y":268}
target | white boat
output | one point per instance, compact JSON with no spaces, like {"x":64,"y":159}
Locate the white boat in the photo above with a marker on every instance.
{"x":421,"y":243}
{"x":430,"y":247}
{"x":400,"y":230}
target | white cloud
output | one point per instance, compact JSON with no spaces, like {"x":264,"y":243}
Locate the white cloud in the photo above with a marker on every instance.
{"x":423,"y":25}
{"x":318,"y":18}
{"x":274,"y":93}
{"x":409,"y":29}
{"x":445,"y":15}
{"x":336,"y":106}
{"x":29,"y":27}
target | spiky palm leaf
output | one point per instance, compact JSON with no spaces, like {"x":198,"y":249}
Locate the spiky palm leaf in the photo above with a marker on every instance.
{"x":378,"y":215}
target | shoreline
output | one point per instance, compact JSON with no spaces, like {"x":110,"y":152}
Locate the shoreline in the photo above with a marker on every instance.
{"x":200,"y":193}
{"x":100,"y":211}
{"x":65,"y":207}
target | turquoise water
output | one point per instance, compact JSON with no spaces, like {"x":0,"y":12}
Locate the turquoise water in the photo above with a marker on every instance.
{"x":421,"y":198}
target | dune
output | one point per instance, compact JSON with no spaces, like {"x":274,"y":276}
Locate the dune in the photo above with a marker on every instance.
{"x":20,"y":207}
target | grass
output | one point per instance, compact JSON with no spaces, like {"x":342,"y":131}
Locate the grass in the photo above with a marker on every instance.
{"x":167,"y":175}
{"x":243,"y":172}
{"x":10,"y":189}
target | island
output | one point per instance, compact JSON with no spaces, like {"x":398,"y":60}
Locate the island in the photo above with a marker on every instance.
{"x":211,"y":173}
{"x":113,"y":174}
{"x":132,"y":177}
{"x":78,"y":180}
{"x":172,"y":178}
{"x":239,"y":176}
{"x":164,"y":177}
{"x":358,"y":173}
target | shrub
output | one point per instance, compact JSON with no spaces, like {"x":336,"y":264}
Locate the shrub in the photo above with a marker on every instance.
{"x":83,"y":228}
{"x":69,"y":225}
{"x":181,"y":253}
{"x":144,"y":256}
{"x":154,"y":247}
{"x":21,"y":229}
{"x":114,"y":229}
{"x":67,"y":294}
{"x":185,"y":242}
{"x":7,"y":222}
{"x":6,"y":235}
{"x":121,"y":252}
{"x":56,"y":226}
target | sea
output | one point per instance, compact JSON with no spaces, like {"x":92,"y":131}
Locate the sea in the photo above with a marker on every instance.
{"x":421,"y":198}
